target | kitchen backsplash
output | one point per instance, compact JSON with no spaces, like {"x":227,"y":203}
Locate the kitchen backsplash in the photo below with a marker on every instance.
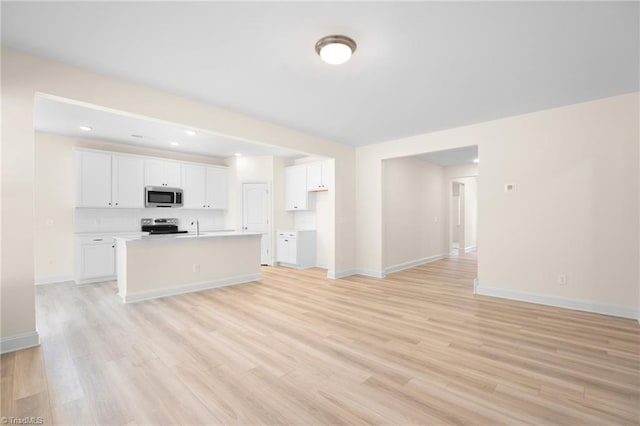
{"x":304,"y":219}
{"x":120,"y":220}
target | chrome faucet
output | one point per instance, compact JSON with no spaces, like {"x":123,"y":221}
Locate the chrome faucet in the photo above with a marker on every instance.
{"x":197,"y":223}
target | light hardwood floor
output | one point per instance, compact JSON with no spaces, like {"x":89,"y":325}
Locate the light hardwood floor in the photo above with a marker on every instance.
{"x":296,"y":348}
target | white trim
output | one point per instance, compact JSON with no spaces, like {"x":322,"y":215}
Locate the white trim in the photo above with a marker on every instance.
{"x":294,"y":266}
{"x":470,"y":249}
{"x":575,"y":304}
{"x":54,"y":279}
{"x":333,"y":275}
{"x":413,"y":263}
{"x":96,"y":280}
{"x":189,"y":288}
{"x":19,"y":341}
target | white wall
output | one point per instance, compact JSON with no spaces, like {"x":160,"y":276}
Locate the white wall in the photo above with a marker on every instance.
{"x":414,"y":209}
{"x":574,"y":211}
{"x":24,"y":75}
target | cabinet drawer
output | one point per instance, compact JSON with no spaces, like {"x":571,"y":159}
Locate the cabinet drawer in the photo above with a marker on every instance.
{"x":102,"y":239}
{"x":287,"y":234}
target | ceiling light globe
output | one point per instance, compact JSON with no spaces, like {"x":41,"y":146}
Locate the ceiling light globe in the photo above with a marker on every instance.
{"x":335,"y":53}
{"x":335,"y":49}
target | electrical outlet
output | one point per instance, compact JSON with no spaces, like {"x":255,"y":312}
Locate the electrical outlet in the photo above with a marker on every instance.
{"x":562,"y":279}
{"x":509,"y":187}
{"x":196,"y":267}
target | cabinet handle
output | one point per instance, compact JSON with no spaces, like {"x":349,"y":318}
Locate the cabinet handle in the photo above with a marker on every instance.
{"x":113,"y":246}
{"x":109,"y":203}
{"x":98,"y":239}
{"x":286,"y":241}
{"x":295,"y":207}
{"x":116,"y":204}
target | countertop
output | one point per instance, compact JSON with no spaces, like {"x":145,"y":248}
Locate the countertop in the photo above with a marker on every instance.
{"x":143,"y":239}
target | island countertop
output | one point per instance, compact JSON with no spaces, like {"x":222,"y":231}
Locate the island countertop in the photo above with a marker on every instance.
{"x":167,"y":238}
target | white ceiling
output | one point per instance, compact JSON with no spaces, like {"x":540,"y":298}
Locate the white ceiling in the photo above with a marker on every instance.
{"x":451,"y":157}
{"x":419,"y":66}
{"x":63,"y":118}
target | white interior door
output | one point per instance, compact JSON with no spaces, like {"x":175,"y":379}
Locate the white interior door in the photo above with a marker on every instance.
{"x":256,"y":212}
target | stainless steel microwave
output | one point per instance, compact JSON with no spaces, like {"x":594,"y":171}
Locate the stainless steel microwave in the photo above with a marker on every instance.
{"x":161,"y":196}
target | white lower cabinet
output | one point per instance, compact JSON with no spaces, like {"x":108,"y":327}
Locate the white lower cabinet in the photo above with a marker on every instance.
{"x":95,"y":257}
{"x":296,"y":248}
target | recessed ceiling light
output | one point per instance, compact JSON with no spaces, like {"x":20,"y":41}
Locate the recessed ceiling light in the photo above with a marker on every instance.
{"x":86,"y":128}
{"x":238,"y":154}
{"x":475,"y":160}
{"x":335,"y":49}
{"x":175,"y":144}
{"x":190,"y":132}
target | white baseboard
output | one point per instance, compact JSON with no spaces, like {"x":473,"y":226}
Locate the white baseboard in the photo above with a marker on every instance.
{"x":348,"y":272}
{"x":19,"y":341}
{"x":470,"y":249}
{"x":96,"y":280}
{"x":413,"y":263}
{"x":575,"y":304}
{"x":189,"y":288}
{"x":53,"y":279}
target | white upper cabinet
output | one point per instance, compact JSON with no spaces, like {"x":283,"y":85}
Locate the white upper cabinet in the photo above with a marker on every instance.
{"x":104,"y":180}
{"x":204,"y":187}
{"x":93,"y":179}
{"x":112,"y":180}
{"x":193,"y":186}
{"x":162,"y":173}
{"x":318,"y":176}
{"x":127,"y":176}
{"x":296,"y":196}
{"x":216,"y":188}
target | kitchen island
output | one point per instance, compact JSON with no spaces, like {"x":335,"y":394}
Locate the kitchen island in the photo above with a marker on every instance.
{"x":153,"y":266}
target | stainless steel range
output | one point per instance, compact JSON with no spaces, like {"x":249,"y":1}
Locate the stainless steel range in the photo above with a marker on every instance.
{"x":161,"y":226}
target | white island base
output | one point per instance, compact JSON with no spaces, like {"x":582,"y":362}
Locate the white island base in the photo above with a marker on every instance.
{"x":157,"y":266}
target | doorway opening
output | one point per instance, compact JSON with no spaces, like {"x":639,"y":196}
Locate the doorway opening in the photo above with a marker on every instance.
{"x":429,"y":208}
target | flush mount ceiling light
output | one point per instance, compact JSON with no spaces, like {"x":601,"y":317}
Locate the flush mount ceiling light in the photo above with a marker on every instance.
{"x":335,"y":49}
{"x":86,"y":128}
{"x":190,"y":132}
{"x":174,"y":143}
{"x":237,"y":154}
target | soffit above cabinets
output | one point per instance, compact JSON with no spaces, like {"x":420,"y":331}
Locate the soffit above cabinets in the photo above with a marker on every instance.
{"x":53,"y":116}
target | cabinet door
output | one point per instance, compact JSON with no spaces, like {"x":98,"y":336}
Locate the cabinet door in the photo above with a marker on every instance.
{"x":314,"y":177}
{"x":127,"y":182}
{"x":324,"y":166}
{"x":282,"y":254}
{"x":293,"y":251}
{"x":154,"y":173}
{"x":296,"y":188}
{"x":193,"y":186}
{"x":216,"y":188}
{"x":173,"y":175}
{"x":97,"y":260}
{"x":93,"y":179}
